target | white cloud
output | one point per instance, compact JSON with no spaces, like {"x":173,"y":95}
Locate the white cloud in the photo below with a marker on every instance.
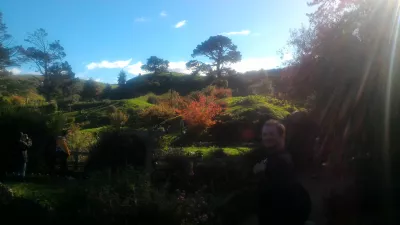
{"x":243,"y":32}
{"x":250,"y":64}
{"x":15,"y":71}
{"x":108,"y":64}
{"x":163,"y":14}
{"x":179,"y":67}
{"x":135,"y":69}
{"x":180,"y":24}
{"x":98,"y":80}
{"x":141,"y":20}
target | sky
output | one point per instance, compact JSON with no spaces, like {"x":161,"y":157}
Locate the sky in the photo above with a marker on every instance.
{"x":101,"y":37}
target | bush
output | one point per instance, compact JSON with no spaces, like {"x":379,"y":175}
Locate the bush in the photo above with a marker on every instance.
{"x":117,"y":149}
{"x":200,"y":115}
{"x":111,"y":109}
{"x":78,"y":140}
{"x":152,"y":99}
{"x":17,"y":100}
{"x":118,"y":119}
{"x":6,"y":195}
{"x":156,"y":114}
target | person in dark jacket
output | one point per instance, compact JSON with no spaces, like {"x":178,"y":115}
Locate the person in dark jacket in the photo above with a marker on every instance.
{"x":24,"y":144}
{"x":282,"y":199}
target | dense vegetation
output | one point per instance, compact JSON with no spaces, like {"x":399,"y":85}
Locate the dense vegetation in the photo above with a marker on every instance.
{"x":339,"y":87}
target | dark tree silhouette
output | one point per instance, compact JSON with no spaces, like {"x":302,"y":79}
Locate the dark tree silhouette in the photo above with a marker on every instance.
{"x":156,"y":65}
{"x":220,"y":50}
{"x":122,"y":78}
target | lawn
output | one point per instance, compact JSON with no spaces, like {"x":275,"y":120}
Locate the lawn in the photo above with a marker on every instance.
{"x":208,"y":150}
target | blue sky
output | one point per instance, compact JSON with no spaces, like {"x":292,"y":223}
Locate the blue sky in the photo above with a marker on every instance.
{"x":103,"y":36}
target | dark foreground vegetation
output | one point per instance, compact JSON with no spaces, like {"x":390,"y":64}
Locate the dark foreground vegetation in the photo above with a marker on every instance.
{"x":337,"y":99}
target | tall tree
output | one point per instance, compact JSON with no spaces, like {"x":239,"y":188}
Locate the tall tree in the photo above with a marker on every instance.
{"x":60,"y":81}
{"x":220,"y":50}
{"x":198,"y":67}
{"x":122,"y":78}
{"x":91,"y":90}
{"x":8,"y":54}
{"x":107,"y":92}
{"x":156,"y":65}
{"x":47,"y":58}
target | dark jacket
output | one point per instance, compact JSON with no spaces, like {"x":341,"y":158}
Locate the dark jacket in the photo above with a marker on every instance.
{"x":282,"y":199}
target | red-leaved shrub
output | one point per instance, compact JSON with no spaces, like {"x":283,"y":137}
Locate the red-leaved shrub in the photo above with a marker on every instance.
{"x":199,"y":114}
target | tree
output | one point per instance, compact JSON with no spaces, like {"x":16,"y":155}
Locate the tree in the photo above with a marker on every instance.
{"x":107,"y":91}
{"x":156,"y":65}
{"x":60,"y":81}
{"x":348,"y":57}
{"x":48,"y":60}
{"x":8,"y":54}
{"x":220,"y":50}
{"x":122,"y":78}
{"x":91,"y":90}
{"x":198,"y":67}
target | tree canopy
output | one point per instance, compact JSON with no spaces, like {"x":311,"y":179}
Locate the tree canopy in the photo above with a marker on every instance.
{"x":48,"y":60}
{"x":156,"y":65}
{"x":220,"y":50}
{"x":8,"y":53}
{"x":121,"y":78}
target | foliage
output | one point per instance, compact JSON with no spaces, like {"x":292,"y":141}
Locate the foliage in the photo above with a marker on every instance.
{"x":218,"y":93}
{"x":6,"y":195}
{"x":17,"y":100}
{"x":156,"y":65}
{"x":121,"y":78}
{"x":198,"y":67}
{"x":114,"y":150}
{"x":8,"y":54}
{"x":158,"y":113}
{"x":91,"y":90}
{"x":59,"y":81}
{"x":118,"y":119}
{"x":220,"y":50}
{"x":79,"y":140}
{"x":152,"y":99}
{"x":166,"y":141}
{"x":47,"y":57}
{"x":107,"y":92}
{"x":39,"y":127}
{"x":199,"y":115}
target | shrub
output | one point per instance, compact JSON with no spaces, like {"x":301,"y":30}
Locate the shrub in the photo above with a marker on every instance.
{"x":78,"y":140}
{"x":199,"y":115}
{"x":52,"y":107}
{"x":118,"y":119}
{"x":111,"y":109}
{"x":17,"y":100}
{"x":75,"y":98}
{"x":166,"y":141}
{"x":117,"y":149}
{"x":220,"y":93}
{"x":157,"y":114}
{"x":6,"y":195}
{"x":152,"y":99}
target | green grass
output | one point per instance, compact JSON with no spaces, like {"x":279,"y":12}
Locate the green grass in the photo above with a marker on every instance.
{"x":48,"y":194}
{"x":239,"y":107}
{"x":136,"y":103}
{"x":208,"y":150}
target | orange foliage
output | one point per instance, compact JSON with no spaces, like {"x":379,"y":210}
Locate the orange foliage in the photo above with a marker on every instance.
{"x":17,"y":100}
{"x":158,"y":113}
{"x":200,"y":114}
{"x":220,"y":93}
